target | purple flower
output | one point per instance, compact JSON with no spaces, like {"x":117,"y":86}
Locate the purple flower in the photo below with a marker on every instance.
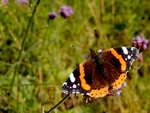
{"x":119,"y":87}
{"x":99,"y":51}
{"x":140,"y":56}
{"x":144,"y":46}
{"x":5,"y":2}
{"x":146,"y":41}
{"x":111,"y":94}
{"x":86,"y":56}
{"x":52,"y":15}
{"x":118,"y":92}
{"x":140,"y":42}
{"x":22,"y":2}
{"x":66,"y":11}
{"x":124,"y":84}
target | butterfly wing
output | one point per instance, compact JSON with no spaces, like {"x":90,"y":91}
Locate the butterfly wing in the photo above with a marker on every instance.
{"x":80,"y":79}
{"x":118,"y":62}
{"x":121,"y":58}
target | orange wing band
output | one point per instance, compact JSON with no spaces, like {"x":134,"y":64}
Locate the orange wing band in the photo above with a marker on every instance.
{"x":84,"y":85}
{"x":119,"y":81}
{"x":99,"y":92}
{"x":119,"y":57}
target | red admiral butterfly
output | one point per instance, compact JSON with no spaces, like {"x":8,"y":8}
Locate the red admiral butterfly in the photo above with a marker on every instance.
{"x":101,"y":72}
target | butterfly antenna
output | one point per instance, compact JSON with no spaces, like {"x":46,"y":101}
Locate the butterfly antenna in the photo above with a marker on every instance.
{"x":79,"y":48}
{"x":96,"y":33}
{"x":58,"y":104}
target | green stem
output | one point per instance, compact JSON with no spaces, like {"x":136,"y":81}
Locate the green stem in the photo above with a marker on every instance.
{"x":19,"y":55}
{"x":45,"y":35}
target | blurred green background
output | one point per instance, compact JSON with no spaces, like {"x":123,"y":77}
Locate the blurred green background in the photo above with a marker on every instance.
{"x":36,"y":56}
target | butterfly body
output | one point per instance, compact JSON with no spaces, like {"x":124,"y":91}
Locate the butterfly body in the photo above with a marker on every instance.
{"x":101,"y":72}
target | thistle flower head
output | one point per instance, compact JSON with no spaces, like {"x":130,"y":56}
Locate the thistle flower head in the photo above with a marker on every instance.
{"x":52,"y":15}
{"x":23,"y":2}
{"x":66,"y":11}
{"x":4,"y":2}
{"x":140,"y":42}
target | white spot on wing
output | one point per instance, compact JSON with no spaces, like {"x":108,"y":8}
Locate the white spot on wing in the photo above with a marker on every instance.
{"x":65,"y":91}
{"x":132,"y":48}
{"x":65,"y":83}
{"x":125,"y":51}
{"x":77,"y":92}
{"x":129,"y":56}
{"x":74,"y":86}
{"x":72,"y":78}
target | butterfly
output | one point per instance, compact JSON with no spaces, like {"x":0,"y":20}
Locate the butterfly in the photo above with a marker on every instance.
{"x":101,"y":72}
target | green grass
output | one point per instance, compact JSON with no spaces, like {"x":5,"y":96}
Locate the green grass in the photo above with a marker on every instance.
{"x":37,"y":57}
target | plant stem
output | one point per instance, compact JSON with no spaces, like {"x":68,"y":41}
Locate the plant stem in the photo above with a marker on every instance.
{"x":19,"y":55}
{"x":58,"y":104}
